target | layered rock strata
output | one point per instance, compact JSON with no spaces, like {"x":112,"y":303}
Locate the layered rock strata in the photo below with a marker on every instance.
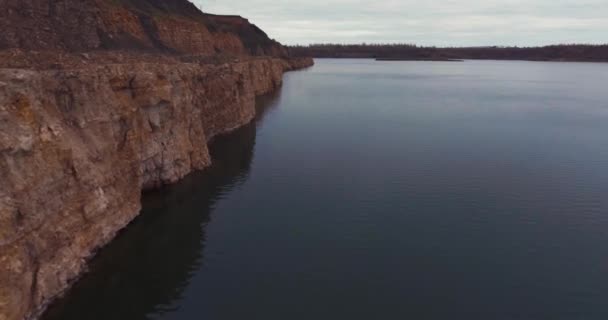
{"x":99,"y":100}
{"x":77,"y":147}
{"x":169,"y":26}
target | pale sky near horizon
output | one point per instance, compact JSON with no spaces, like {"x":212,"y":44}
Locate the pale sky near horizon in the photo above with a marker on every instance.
{"x":439,"y":22}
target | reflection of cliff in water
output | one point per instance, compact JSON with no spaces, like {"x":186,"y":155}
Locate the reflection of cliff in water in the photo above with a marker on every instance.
{"x":144,"y":271}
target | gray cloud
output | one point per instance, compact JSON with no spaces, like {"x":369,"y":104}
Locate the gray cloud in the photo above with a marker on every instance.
{"x":439,"y":22}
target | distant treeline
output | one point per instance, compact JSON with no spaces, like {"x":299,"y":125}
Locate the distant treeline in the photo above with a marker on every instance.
{"x":566,"y":52}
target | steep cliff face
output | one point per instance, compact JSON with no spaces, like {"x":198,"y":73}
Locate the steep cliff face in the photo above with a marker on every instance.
{"x":99,"y":100}
{"x":174,"y":26}
{"x":77,"y":146}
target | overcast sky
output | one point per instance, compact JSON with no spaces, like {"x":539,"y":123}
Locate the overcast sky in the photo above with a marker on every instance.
{"x":424,"y":22}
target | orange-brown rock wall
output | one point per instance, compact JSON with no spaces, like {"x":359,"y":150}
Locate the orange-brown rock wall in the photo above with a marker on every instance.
{"x":77,"y":147}
{"x":77,"y":25}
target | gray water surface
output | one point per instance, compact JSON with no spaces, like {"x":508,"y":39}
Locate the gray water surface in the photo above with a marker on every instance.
{"x":382,"y":190}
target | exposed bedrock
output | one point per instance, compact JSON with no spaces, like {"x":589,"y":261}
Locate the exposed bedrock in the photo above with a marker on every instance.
{"x":169,"y":26}
{"x":99,"y":100}
{"x":77,"y":147}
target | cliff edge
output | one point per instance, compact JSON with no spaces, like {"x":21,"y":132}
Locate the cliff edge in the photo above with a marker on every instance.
{"x":99,"y":100}
{"x":167,"y":26}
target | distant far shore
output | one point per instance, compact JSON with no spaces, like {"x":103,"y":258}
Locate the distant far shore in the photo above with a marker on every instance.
{"x":406,"y":52}
{"x":419,"y":59}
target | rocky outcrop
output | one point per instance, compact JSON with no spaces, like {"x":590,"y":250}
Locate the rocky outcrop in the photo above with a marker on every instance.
{"x":171,"y":26}
{"x":99,"y":100}
{"x":77,"y":147}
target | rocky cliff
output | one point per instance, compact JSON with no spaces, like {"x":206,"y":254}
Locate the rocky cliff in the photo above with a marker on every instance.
{"x":171,"y":26}
{"x":100,"y":100}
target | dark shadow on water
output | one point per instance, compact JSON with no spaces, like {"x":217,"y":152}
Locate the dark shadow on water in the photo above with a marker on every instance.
{"x":144,"y":271}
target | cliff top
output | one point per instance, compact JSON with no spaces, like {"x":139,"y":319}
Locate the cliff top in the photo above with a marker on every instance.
{"x":159,"y":26}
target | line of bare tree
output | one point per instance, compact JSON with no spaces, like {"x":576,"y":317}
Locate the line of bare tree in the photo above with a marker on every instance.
{"x":562,"y":52}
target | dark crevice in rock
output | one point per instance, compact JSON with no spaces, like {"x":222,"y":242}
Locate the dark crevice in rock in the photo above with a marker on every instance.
{"x":35,"y":264}
{"x":151,"y":30}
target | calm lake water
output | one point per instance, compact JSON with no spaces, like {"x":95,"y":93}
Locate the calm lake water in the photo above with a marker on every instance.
{"x":382,"y":190}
